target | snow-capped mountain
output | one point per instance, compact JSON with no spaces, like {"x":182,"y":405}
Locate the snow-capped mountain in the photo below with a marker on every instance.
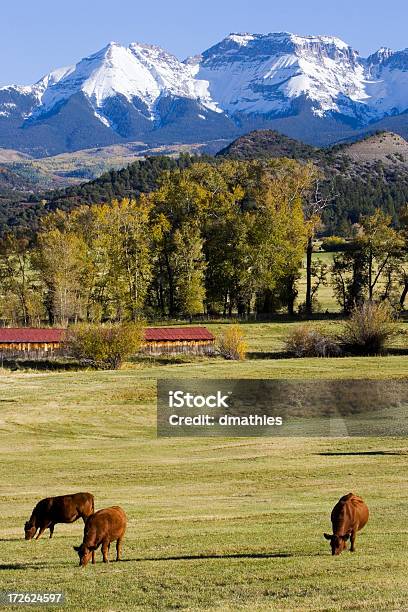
{"x":268,"y":74}
{"x":316,"y":88}
{"x":138,"y":72}
{"x":264,"y":74}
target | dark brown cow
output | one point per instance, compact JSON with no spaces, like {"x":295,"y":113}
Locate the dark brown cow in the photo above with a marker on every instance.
{"x":102,"y":528}
{"x":61,"y":509}
{"x":348,"y":516}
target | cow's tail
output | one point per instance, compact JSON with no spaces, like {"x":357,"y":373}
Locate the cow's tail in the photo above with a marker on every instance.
{"x":93,"y":504}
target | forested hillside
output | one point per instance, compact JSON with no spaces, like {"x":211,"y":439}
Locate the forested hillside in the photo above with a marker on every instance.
{"x":355,"y":178}
{"x":353,"y":185}
{"x":139,"y":177}
{"x":359,"y":190}
{"x":22,"y":211}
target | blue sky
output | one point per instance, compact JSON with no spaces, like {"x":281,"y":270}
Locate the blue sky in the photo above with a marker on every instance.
{"x":38,"y":36}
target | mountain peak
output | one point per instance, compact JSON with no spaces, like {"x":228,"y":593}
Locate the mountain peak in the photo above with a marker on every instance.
{"x":140,"y":74}
{"x":381,"y":55}
{"x":265,"y":73}
{"x":241,"y":38}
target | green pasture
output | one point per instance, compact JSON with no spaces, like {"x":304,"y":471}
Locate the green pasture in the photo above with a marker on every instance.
{"x":214,"y":524}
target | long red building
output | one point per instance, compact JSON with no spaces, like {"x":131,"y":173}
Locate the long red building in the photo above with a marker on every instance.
{"x":36,"y":342}
{"x":178,"y":340}
{"x":31,"y":340}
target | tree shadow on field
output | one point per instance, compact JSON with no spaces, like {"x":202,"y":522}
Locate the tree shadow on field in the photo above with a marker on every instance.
{"x":21,"y":566}
{"x":279,"y":555}
{"x":267,"y":355}
{"x":12,"y":539}
{"x":362,"y":453}
{"x":31,"y":566}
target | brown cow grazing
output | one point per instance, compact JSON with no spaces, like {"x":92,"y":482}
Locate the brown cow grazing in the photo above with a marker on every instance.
{"x":102,"y":528}
{"x":61,"y":509}
{"x":348,"y":516}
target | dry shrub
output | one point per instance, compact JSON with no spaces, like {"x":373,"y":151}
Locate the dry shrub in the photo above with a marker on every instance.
{"x":231,"y":343}
{"x":104,"y":346}
{"x":306,"y":341}
{"x":369,"y":330}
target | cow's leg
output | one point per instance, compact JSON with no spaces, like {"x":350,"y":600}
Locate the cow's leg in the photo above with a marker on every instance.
{"x":42,"y":529}
{"x":105,"y":551}
{"x":352,"y":540}
{"x":51,"y":529}
{"x":118,"y":548}
{"x":93,"y":557}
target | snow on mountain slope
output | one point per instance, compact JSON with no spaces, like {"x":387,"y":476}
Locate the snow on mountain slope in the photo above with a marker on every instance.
{"x":109,"y":72}
{"x":139,"y":71}
{"x":263,"y":74}
{"x":388,"y":89}
{"x":37,"y":90}
{"x":171,"y":75}
{"x":51,"y":79}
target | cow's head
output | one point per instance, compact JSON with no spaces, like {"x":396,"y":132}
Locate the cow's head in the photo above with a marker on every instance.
{"x":29,"y":530}
{"x":337,"y":542}
{"x":84,"y":553}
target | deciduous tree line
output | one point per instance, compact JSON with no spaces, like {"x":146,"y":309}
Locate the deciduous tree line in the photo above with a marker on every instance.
{"x":212,"y":238}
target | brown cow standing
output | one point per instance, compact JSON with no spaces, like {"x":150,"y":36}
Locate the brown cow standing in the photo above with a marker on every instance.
{"x":61,"y":509}
{"x":348,"y":516}
{"x":102,"y":528}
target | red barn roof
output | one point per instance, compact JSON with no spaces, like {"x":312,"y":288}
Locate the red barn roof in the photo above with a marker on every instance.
{"x":168,"y":334}
{"x":164,"y":334}
{"x":30,"y":334}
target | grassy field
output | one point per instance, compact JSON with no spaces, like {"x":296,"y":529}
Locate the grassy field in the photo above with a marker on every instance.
{"x":216,"y":524}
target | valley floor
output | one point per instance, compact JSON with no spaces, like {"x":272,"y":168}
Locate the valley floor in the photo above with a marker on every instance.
{"x":214,"y":524}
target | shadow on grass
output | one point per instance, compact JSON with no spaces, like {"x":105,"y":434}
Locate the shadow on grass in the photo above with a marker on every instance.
{"x":22,"y":566}
{"x":402,"y":351}
{"x":268,"y":355}
{"x":44,"y":564}
{"x":279,"y":555}
{"x":362,"y":453}
{"x":171,"y":359}
{"x":42,"y":365}
{"x":12,"y":539}
{"x":35,"y":566}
